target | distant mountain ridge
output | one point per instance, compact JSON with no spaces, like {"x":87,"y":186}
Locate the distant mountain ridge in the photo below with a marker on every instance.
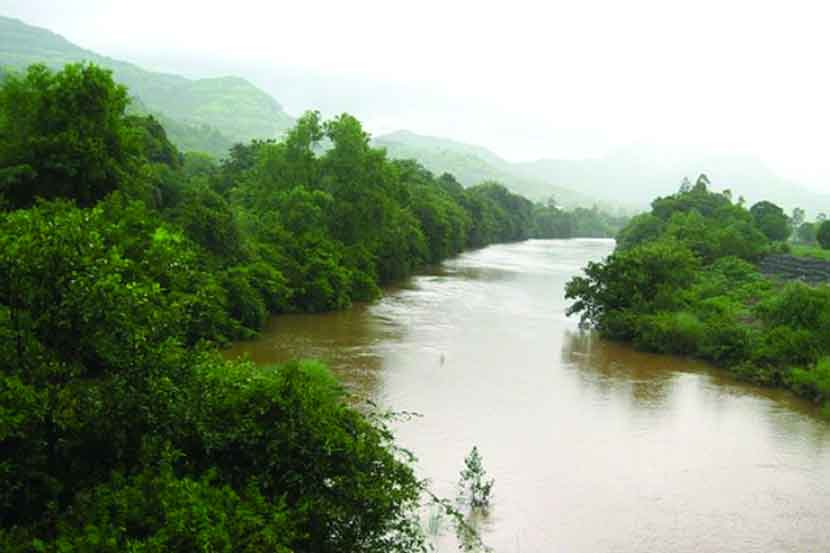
{"x":211,"y":114}
{"x":472,"y":165}
{"x":629,"y":178}
{"x":640,"y":173}
{"x":216,"y":111}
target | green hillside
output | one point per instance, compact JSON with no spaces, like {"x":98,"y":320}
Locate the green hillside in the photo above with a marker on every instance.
{"x":202,"y":114}
{"x":472,"y":165}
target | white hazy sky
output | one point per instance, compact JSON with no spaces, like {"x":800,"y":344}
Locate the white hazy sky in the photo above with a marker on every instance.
{"x":557,"y":79}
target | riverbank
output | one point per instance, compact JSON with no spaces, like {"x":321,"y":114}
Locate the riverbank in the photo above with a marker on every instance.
{"x":622,"y":448}
{"x":683,"y":281}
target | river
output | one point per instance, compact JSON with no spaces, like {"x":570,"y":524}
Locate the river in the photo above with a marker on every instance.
{"x":594,"y":447}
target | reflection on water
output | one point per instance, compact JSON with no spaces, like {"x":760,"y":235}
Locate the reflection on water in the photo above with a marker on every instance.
{"x":594,"y":446}
{"x":618,"y":370}
{"x":345,"y":340}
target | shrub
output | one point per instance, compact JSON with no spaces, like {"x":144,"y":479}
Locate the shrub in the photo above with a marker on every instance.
{"x":474,"y":485}
{"x":679,"y":332}
{"x":813,"y":383}
{"x":783,"y":345}
{"x":725,"y":341}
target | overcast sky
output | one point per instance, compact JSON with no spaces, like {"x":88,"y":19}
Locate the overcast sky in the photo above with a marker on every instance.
{"x":526,"y":79}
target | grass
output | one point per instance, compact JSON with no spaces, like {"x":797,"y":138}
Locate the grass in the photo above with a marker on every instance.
{"x":803,"y":250}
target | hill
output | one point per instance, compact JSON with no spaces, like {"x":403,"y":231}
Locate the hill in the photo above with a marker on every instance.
{"x":627,"y":178}
{"x":472,"y":165}
{"x":204,"y":114}
{"x":639,"y":173}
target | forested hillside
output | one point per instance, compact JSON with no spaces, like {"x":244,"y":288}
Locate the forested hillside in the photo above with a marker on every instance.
{"x":203,"y":115}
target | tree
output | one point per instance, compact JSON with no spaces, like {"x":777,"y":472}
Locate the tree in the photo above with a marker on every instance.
{"x":797,"y":218}
{"x":807,"y":233}
{"x":474,"y":485}
{"x":643,"y":279}
{"x":823,"y":235}
{"x":702,"y":184}
{"x":64,"y":135}
{"x":641,"y":228}
{"x":772,"y":220}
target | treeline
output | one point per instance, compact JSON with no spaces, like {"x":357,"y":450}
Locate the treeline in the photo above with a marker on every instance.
{"x":550,"y":221}
{"x":123,"y":263}
{"x":310,"y":223}
{"x":683,"y":280}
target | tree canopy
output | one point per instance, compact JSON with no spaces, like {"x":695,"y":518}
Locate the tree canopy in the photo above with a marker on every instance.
{"x":64,"y":135}
{"x":772,"y":220}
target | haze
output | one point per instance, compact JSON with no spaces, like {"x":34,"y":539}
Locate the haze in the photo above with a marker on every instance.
{"x":528,"y":80}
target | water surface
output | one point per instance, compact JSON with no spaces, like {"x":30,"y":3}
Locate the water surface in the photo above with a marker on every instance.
{"x":594,"y":447}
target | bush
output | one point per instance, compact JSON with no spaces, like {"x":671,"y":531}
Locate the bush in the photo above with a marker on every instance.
{"x":156,"y":511}
{"x":798,"y":306}
{"x":784,"y":345}
{"x":291,"y":429}
{"x":726,"y":342}
{"x":814,"y":382}
{"x":679,"y":332}
{"x":474,"y":487}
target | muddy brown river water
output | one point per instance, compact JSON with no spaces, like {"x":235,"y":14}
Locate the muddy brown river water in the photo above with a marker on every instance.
{"x":594,"y":447}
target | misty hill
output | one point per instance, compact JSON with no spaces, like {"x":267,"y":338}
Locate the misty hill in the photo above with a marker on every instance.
{"x":638,"y":174}
{"x":202,"y":114}
{"x":629,"y":178}
{"x":472,"y":165}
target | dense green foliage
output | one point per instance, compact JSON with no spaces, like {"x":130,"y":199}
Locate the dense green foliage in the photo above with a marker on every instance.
{"x":63,"y":135}
{"x":682,"y":280}
{"x":551,"y":221}
{"x":123,"y":263}
{"x":772,"y":220}
{"x":115,"y":435}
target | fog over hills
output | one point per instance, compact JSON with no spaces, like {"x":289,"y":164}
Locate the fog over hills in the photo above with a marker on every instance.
{"x":629,"y":178}
{"x":209,"y":114}
{"x":472,"y":164}
{"x":637,"y":174}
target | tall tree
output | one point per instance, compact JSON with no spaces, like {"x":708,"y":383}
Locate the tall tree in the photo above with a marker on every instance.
{"x":772,"y":220}
{"x":64,"y":135}
{"x":797,"y":219}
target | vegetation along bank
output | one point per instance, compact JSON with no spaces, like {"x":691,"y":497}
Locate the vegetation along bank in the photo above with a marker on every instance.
{"x":684,"y":280}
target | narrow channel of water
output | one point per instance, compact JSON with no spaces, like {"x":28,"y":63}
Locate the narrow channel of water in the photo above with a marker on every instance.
{"x":594,"y":447}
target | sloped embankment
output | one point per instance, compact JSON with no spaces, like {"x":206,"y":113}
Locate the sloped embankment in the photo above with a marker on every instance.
{"x":790,"y":267}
